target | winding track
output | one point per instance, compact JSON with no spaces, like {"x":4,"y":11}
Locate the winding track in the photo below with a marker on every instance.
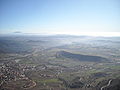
{"x":33,"y":85}
{"x":102,"y":88}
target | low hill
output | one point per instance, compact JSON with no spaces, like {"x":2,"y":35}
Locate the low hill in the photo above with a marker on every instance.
{"x":13,"y":46}
{"x":80,"y":57}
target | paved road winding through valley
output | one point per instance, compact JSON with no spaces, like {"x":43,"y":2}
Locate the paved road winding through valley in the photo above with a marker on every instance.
{"x":102,"y":88}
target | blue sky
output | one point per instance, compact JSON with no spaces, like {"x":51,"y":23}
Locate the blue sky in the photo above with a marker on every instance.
{"x":59,"y":16}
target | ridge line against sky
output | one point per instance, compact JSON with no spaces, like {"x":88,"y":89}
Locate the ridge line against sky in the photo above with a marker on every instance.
{"x":60,"y":16}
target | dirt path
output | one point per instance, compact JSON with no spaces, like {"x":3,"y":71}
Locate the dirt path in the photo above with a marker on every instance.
{"x":31,"y":86}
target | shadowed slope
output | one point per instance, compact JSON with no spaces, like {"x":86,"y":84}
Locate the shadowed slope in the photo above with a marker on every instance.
{"x":80,"y":57}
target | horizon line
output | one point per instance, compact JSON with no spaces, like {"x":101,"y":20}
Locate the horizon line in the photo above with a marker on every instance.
{"x":94,"y":34}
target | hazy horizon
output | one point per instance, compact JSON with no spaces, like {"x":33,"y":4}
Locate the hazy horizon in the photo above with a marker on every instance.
{"x":59,"y":44}
{"x":93,"y":34}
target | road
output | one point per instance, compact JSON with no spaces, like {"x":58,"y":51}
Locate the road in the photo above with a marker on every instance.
{"x":102,"y":88}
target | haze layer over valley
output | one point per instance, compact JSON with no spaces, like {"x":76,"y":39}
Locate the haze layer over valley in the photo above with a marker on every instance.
{"x":59,"y":62}
{"x":59,"y":44}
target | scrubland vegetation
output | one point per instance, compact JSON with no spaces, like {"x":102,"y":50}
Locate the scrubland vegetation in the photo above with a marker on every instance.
{"x":59,"y":63}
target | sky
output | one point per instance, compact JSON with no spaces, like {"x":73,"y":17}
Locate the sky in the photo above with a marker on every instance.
{"x":93,"y":17}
